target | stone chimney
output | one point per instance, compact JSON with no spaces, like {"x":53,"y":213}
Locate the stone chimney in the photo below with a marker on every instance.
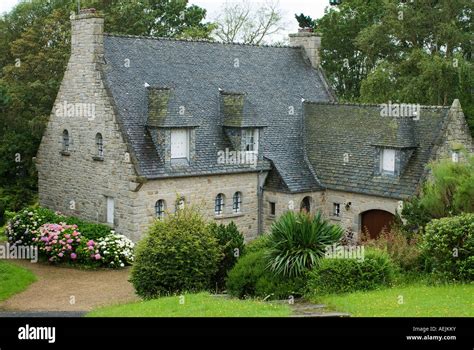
{"x":311,"y":42}
{"x":87,"y":39}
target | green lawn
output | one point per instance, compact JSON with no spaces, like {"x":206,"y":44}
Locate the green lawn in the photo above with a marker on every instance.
{"x":13,"y":279}
{"x":406,"y":301}
{"x":194,"y":305}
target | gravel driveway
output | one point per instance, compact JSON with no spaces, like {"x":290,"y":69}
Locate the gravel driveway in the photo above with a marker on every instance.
{"x":70,"y":290}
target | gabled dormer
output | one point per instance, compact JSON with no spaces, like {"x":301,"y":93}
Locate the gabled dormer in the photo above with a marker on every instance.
{"x":240,"y":122}
{"x":395,"y":146}
{"x":171,"y":127}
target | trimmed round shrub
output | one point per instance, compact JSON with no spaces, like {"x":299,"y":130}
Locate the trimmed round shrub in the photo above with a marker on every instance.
{"x":251,"y":278}
{"x":350,"y":275}
{"x":179,"y":254}
{"x":231,"y":244}
{"x":448,"y":247}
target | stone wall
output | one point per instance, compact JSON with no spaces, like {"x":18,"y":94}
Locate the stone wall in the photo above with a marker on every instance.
{"x":288,"y":201}
{"x":201,"y":192}
{"x":77,"y":182}
{"x":456,"y":135}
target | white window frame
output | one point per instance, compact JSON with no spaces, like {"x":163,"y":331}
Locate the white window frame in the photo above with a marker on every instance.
{"x":385,"y":166}
{"x":186,"y":151}
{"x":250,"y":137}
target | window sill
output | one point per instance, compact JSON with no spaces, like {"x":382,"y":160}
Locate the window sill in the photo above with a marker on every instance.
{"x":336,"y":218}
{"x":65,"y":153}
{"x":228,"y":216}
{"x":98,"y":159}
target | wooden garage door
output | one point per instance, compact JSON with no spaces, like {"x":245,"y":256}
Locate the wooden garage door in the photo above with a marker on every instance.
{"x":374,"y":221}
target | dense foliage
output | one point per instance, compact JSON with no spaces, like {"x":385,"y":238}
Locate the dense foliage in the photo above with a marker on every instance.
{"x":178,"y":254}
{"x":68,"y":239}
{"x":448,"y":245}
{"x":449,"y":191}
{"x":407,"y":51}
{"x":349,"y":275}
{"x":251,"y":278}
{"x":231,"y":245}
{"x":298,"y":240}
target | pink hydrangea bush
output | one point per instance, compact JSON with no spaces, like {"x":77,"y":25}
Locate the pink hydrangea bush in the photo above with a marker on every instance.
{"x":58,"y":241}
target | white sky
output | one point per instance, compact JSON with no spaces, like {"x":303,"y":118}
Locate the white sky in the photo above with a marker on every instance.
{"x":313,"y":8}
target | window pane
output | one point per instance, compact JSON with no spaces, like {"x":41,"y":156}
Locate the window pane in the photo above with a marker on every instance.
{"x":388,"y":160}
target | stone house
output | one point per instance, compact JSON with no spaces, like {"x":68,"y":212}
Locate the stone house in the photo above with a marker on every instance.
{"x":142,"y":126}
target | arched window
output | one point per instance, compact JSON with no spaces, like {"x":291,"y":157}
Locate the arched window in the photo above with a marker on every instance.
{"x":65,"y":141}
{"x":237,"y":202}
{"x":160,"y":209}
{"x":306,"y":205}
{"x":219,"y":204}
{"x":99,"y":142}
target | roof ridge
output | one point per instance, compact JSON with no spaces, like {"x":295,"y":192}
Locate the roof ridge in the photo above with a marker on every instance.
{"x":198,"y":41}
{"x":369,"y":104}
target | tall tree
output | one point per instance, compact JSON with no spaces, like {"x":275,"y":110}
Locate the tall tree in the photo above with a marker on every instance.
{"x":34,"y":49}
{"x":241,"y":22}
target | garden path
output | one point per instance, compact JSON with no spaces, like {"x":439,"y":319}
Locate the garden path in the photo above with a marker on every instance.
{"x":70,"y":290}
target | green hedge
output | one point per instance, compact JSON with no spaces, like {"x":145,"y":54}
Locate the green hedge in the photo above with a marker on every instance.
{"x":349,"y":275}
{"x":448,"y":247}
{"x":251,"y":278}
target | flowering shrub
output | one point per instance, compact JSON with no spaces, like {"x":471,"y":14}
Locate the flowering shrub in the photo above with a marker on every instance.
{"x":115,"y":250}
{"x":58,"y":241}
{"x":24,"y":226}
{"x":69,"y":239}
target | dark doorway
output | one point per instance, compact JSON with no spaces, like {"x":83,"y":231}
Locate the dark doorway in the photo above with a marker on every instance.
{"x":375,"y":221}
{"x":306,"y":205}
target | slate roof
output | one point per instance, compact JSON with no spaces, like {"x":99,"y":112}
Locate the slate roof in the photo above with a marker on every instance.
{"x":334,"y":129}
{"x":273,"y":79}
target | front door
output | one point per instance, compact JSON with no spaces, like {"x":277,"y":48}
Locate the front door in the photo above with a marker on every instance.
{"x":375,"y":221}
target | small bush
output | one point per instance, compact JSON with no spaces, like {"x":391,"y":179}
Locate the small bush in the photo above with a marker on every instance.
{"x":178,"y":254}
{"x":24,"y":226}
{"x":58,"y":242}
{"x":448,"y":246}
{"x":260,"y":243}
{"x":89,"y":230}
{"x":298,"y":241}
{"x":251,"y":278}
{"x":403,"y":251}
{"x":349,"y":275}
{"x":231,"y":244}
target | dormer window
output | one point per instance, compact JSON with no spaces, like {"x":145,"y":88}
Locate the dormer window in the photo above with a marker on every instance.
{"x":180,"y":144}
{"x":250,"y":137}
{"x":387,"y":163}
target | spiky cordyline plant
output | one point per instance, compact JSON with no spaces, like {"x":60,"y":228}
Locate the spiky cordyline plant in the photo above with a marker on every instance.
{"x":298,"y":241}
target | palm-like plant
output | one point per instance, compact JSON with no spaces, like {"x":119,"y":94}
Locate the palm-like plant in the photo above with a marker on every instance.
{"x":298,"y":241}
